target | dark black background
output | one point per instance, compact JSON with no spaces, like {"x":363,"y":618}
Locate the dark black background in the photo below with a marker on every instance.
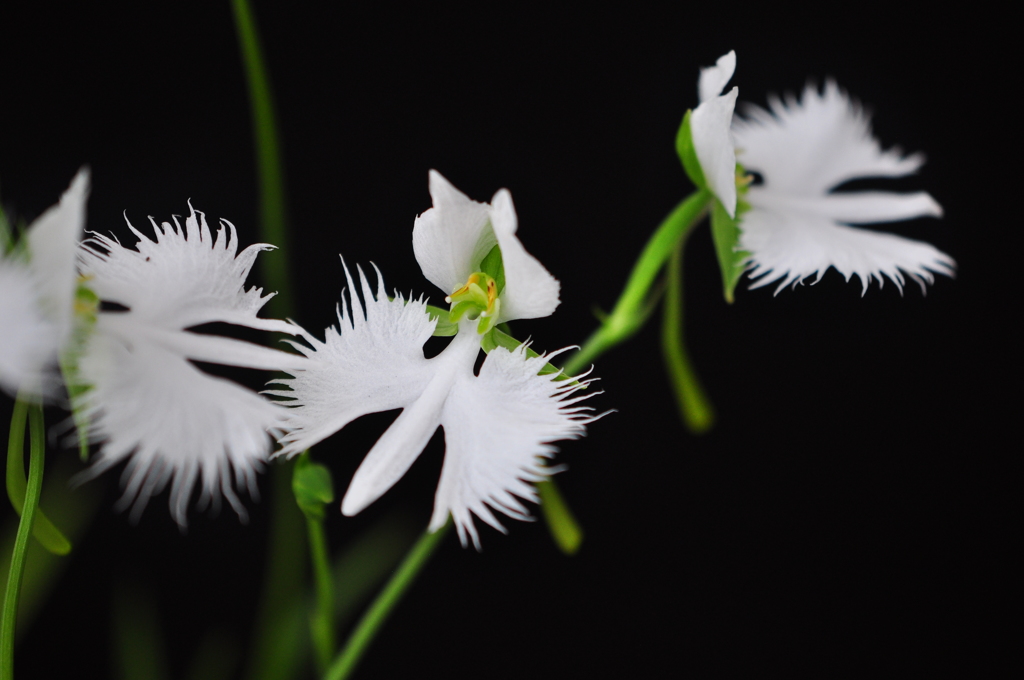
{"x":848,"y":515}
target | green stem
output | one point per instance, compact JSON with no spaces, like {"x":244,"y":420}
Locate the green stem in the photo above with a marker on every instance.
{"x":632,"y":308}
{"x":696,"y":408}
{"x":35,"y":485}
{"x":322,"y":625}
{"x":277,"y":643}
{"x":268,"y":159}
{"x":563,"y":526}
{"x":378,"y":612}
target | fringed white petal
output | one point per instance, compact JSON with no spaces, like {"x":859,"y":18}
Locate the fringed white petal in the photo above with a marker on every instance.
{"x":530,"y":290}
{"x":173,"y":422}
{"x":790,"y":245}
{"x":713,"y":79}
{"x":498,"y":427}
{"x":451,"y":238}
{"x":52,"y":243}
{"x":807,"y":147}
{"x":372,"y":362}
{"x":403,"y":442}
{"x":28,"y":342}
{"x":186,"y":277}
{"x":713,"y":144}
{"x":796,"y":228}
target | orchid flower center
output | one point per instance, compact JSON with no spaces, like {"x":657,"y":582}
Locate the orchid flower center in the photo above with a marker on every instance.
{"x":476,"y":299}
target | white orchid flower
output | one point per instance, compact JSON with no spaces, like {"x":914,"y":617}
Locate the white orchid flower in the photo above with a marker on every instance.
{"x":37,"y":296}
{"x":147,"y":401}
{"x":709,"y":127}
{"x":797,"y":226}
{"x":498,"y":424}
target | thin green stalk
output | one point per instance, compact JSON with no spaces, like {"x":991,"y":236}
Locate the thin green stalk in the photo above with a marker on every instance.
{"x":378,"y":612}
{"x":632,"y":308}
{"x":563,"y":526}
{"x":272,"y":221}
{"x":697,"y":412}
{"x":322,"y":624}
{"x":277,"y":643}
{"x":32,"y":491}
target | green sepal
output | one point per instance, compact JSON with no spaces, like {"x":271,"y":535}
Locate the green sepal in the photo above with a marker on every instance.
{"x":43,"y":529}
{"x":498,"y":338}
{"x":493,"y":266}
{"x":6,"y":240}
{"x":87,"y":305}
{"x":725,"y":231}
{"x":445,"y":326}
{"x":312,"y":486}
{"x":688,"y":155}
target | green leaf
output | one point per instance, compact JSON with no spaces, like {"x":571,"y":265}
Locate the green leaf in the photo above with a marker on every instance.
{"x":312,"y":486}
{"x":445,"y":327}
{"x":725,"y":232}
{"x":43,"y":529}
{"x":688,"y":155}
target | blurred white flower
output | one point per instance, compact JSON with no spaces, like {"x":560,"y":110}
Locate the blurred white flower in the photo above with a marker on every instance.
{"x":498,"y":424}
{"x":37,"y":293}
{"x":147,"y":401}
{"x":797,"y":226}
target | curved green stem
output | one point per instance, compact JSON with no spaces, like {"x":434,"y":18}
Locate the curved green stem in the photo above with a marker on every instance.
{"x":694,"y":405}
{"x":378,"y":612}
{"x":322,"y":625}
{"x":273,"y":228}
{"x":32,"y":491}
{"x":633,"y":307}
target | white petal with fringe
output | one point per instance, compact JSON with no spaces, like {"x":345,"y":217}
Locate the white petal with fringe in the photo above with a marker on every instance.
{"x":795,"y":227}
{"x":498,"y":425}
{"x":148,"y":403}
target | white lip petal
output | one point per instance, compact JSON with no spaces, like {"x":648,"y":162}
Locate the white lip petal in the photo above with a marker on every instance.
{"x":790,"y":246}
{"x":796,"y":227}
{"x":53,"y":241}
{"x":402,"y":443}
{"x":498,"y":427}
{"x":451,"y":238}
{"x":806,"y":147}
{"x":862,"y":207}
{"x":173,"y":421}
{"x":713,"y":79}
{"x":530,"y":290}
{"x":209,"y":348}
{"x":713,"y":143}
{"x":372,"y":362}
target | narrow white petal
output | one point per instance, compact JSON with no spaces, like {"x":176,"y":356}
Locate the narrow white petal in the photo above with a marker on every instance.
{"x":789,"y":246}
{"x":862,"y":207}
{"x":713,"y":79}
{"x":208,"y":348}
{"x":498,"y":427}
{"x":530,"y":290}
{"x":186,"y":277}
{"x":451,"y":238}
{"x":175,"y":423}
{"x":713,"y":144}
{"x":372,"y":362}
{"x":403,"y":442}
{"x":806,"y":147}
{"x":53,"y":241}
{"x":28,"y":342}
